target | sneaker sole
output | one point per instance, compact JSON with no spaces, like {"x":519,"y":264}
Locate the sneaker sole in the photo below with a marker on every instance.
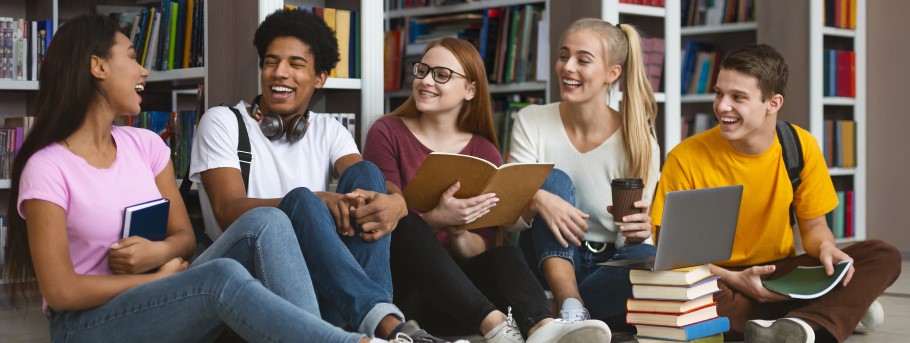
{"x":778,"y":331}
{"x":586,"y":335}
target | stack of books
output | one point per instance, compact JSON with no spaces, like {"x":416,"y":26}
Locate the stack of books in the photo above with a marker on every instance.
{"x":675,"y":306}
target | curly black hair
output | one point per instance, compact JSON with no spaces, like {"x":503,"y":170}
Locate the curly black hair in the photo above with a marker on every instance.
{"x":308,"y":28}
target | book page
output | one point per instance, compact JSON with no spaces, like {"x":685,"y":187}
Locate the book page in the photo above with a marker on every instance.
{"x":514,"y":185}
{"x":439,"y":172}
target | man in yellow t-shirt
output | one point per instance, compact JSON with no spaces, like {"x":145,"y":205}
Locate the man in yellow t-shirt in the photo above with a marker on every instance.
{"x":744,"y":150}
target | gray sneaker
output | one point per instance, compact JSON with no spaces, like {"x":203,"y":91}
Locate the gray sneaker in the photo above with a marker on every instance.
{"x":417,"y":335}
{"x":786,"y":330}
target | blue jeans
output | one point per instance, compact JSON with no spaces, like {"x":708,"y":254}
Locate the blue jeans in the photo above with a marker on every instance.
{"x":194,"y":305}
{"x":352,"y":277}
{"x":604,"y":289}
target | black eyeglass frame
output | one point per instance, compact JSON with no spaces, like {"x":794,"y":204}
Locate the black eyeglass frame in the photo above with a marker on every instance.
{"x":432,"y":70}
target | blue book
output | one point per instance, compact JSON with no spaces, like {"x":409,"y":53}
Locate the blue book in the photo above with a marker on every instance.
{"x":148,"y":220}
{"x":690,"y":332}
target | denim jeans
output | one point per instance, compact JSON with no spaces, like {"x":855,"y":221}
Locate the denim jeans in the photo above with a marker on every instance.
{"x":603,"y":289}
{"x":194,"y":305}
{"x":352,"y":277}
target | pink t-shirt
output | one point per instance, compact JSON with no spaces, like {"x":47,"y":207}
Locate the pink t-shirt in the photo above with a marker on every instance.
{"x":92,"y":198}
{"x":398,"y":154}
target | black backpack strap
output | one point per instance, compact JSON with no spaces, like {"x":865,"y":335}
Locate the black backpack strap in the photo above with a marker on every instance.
{"x":244,"y":153}
{"x":792,"y":153}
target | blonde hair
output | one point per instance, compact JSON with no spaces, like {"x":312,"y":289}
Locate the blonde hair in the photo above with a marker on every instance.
{"x":638,"y":109}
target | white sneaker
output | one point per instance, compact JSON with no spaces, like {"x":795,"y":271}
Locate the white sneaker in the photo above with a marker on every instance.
{"x":786,"y":330}
{"x":573,"y":311}
{"x":873,"y":318}
{"x":561,"y":331}
{"x":505,"y":332}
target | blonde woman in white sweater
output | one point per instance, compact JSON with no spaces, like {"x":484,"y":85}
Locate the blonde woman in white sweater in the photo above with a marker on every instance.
{"x":571,"y":227}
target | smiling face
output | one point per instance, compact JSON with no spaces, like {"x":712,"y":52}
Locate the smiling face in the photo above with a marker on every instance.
{"x":432,"y":97}
{"x":121,"y":77}
{"x":583,"y":71}
{"x":746,"y":121}
{"x":288,"y":77}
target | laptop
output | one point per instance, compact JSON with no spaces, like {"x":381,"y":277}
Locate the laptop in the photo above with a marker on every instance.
{"x":697,"y":227}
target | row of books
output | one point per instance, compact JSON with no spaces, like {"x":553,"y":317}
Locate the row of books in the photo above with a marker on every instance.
{"x":842,"y":220}
{"x":22,"y":46}
{"x":700,"y":66}
{"x":504,"y":112}
{"x":716,"y":12}
{"x":653,"y":51}
{"x":167,"y":37}
{"x":406,"y":4}
{"x":511,"y":41}
{"x":175,"y":128}
{"x":840,"y":143}
{"x":675,"y":306}
{"x":695,"y":124}
{"x":11,"y":136}
{"x":840,"y":13}
{"x":839,"y":69}
{"x":346,"y":25}
{"x":3,"y":240}
{"x":658,"y":3}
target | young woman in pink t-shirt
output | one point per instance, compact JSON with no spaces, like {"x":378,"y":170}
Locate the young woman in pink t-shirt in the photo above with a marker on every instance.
{"x":453,"y":281}
{"x":71,"y":180}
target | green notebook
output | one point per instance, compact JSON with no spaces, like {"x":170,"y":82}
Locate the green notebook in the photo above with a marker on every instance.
{"x":808,"y":282}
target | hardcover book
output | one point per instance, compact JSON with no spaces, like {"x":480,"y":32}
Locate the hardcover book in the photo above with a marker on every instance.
{"x":148,"y":220}
{"x":514,"y":184}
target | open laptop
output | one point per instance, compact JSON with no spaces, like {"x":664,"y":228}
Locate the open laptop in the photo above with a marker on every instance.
{"x":697,"y":227}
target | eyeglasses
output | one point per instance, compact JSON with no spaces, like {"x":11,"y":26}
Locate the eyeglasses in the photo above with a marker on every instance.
{"x":440,"y":74}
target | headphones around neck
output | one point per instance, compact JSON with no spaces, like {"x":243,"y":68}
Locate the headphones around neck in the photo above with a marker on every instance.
{"x":275,"y":125}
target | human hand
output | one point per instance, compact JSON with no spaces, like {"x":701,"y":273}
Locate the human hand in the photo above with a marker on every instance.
{"x":340,"y":206}
{"x":174,"y":266}
{"x":829,"y":254}
{"x":134,"y":255}
{"x":451,"y":211}
{"x":379,"y":214}
{"x":749,"y":283}
{"x":636,"y":227}
{"x":566,"y":222}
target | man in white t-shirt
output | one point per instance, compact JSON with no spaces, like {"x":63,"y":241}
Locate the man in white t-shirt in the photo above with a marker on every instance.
{"x":343,"y":235}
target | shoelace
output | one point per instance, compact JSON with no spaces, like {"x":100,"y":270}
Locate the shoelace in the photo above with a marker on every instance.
{"x":402,"y":338}
{"x":574,"y":316}
{"x":511,"y":325}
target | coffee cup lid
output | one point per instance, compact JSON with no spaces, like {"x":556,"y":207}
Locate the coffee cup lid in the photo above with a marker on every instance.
{"x":628,"y":183}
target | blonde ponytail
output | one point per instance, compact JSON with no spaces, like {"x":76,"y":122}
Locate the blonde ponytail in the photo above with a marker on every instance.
{"x":638,"y":108}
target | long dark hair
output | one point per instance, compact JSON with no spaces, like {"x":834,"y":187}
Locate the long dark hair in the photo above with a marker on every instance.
{"x":67,"y":89}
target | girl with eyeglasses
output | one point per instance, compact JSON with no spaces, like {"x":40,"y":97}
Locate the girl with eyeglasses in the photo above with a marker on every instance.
{"x":571,"y":228}
{"x":458,"y":282}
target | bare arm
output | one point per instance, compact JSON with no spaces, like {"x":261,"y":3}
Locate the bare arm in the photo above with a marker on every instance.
{"x":224,"y":187}
{"x":135,"y":255}
{"x":819,"y":243}
{"x":566,"y":222}
{"x":60,"y":286}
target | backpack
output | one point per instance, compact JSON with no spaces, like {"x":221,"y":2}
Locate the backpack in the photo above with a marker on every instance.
{"x":191,"y":198}
{"x":792,"y":153}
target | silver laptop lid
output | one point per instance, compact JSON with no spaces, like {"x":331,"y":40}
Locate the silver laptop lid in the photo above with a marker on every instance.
{"x":698,"y":227}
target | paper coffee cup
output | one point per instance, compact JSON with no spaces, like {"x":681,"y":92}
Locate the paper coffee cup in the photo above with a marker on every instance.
{"x":626,"y":191}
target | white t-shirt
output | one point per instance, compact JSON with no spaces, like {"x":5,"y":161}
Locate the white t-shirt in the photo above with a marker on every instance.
{"x":539,"y":136}
{"x":278,"y":166}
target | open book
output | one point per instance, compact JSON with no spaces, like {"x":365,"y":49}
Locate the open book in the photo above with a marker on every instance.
{"x":514,"y":185}
{"x":808,"y":282}
{"x":148,"y":219}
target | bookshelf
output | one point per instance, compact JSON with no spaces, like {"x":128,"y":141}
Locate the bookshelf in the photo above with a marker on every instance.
{"x":532,"y":83}
{"x":810,"y":101}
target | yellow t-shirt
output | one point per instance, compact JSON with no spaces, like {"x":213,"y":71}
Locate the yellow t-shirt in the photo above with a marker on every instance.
{"x":763,"y":231}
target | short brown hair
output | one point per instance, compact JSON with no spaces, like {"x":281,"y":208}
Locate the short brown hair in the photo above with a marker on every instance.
{"x":762,"y":62}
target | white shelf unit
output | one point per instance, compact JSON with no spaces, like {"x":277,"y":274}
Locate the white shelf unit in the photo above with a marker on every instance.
{"x":457,"y":8}
{"x":614,"y":12}
{"x":10,"y":85}
{"x":819,"y":104}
